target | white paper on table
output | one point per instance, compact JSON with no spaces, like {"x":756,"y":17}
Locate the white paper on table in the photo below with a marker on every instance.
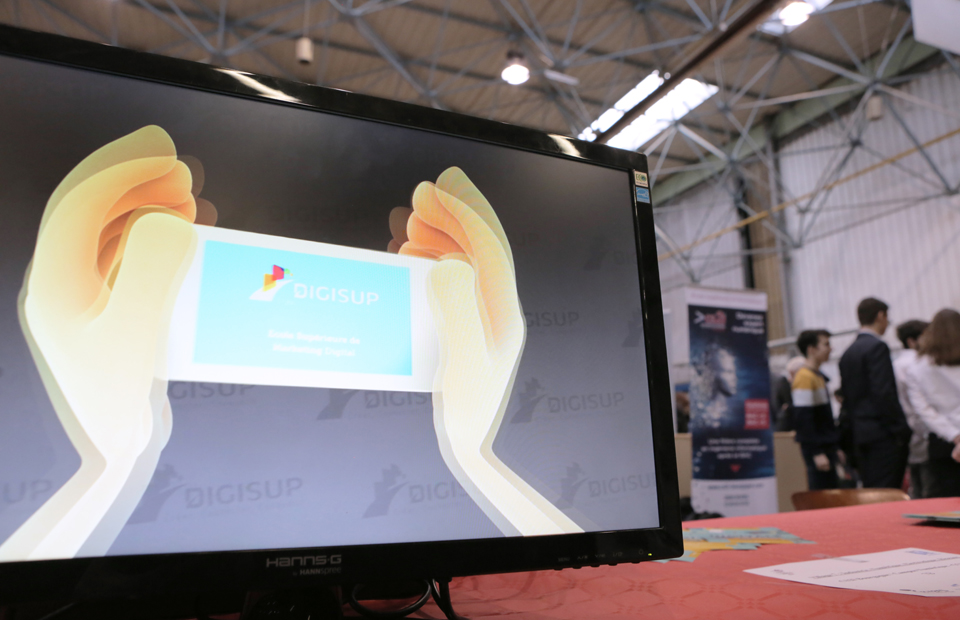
{"x":903,"y":571}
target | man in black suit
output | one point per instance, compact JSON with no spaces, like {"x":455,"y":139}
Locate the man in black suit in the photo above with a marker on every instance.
{"x":880,"y":430}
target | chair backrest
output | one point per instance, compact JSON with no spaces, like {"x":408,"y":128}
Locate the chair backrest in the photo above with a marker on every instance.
{"x":833,"y":498}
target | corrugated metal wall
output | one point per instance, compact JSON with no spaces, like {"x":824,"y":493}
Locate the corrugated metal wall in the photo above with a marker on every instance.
{"x":701,"y":211}
{"x":880,"y":234}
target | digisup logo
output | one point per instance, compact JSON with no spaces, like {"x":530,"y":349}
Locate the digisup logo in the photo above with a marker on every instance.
{"x":272,"y":282}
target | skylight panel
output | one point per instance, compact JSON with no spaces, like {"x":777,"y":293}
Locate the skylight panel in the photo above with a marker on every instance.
{"x":790,"y":17}
{"x":673,"y":106}
{"x":636,"y":94}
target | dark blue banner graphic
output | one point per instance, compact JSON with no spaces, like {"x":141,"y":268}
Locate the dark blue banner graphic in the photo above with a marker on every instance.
{"x":730,"y":418}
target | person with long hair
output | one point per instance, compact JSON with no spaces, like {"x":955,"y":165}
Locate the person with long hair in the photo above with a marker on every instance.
{"x":933,"y":387}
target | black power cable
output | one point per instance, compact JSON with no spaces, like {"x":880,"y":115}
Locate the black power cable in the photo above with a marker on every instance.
{"x":440,"y":588}
{"x":403,"y":612}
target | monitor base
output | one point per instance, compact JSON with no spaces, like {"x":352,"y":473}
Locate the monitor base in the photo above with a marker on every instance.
{"x":327,"y":603}
{"x":302,"y":604}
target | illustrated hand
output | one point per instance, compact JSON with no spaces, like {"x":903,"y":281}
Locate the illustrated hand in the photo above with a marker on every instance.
{"x":473,"y":295}
{"x":821,"y":462}
{"x":955,"y":454}
{"x":113,"y":247}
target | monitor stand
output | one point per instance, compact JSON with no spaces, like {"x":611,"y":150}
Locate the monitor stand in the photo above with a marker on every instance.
{"x":327,"y":603}
{"x":322,"y":603}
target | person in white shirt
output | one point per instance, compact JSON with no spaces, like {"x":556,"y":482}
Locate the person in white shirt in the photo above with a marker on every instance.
{"x":933,"y":388}
{"x":909,"y":334}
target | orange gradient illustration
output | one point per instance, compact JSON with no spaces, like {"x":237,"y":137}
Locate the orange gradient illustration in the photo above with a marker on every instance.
{"x":113,"y":246}
{"x":473,"y":295}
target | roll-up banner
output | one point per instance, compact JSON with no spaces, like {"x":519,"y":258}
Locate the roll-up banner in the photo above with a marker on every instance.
{"x":733,"y":466}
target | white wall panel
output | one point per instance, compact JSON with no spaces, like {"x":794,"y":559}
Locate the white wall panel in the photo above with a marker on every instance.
{"x":698,"y":213}
{"x":883,"y":234}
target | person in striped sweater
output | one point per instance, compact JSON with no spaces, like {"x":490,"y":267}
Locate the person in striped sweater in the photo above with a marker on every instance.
{"x":817,"y":433}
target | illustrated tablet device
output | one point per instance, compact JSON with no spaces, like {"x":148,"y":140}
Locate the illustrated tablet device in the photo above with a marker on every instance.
{"x":258,"y":309}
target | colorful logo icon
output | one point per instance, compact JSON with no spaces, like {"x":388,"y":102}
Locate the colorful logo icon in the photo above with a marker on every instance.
{"x":272,"y":282}
{"x":716,"y":321}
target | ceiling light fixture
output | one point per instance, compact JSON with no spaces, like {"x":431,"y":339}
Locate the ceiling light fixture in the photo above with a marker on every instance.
{"x":304,"y":50}
{"x":304,"y":46}
{"x":516,"y":71}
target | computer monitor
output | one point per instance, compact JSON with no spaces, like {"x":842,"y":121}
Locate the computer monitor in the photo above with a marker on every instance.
{"x":259,"y":334}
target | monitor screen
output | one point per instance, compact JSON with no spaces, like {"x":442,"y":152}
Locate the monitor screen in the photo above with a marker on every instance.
{"x":244,"y":323}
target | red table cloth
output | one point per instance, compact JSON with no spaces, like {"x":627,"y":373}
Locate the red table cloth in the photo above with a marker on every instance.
{"x":715,"y":587}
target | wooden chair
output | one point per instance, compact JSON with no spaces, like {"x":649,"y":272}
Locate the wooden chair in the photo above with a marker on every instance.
{"x":833,"y":498}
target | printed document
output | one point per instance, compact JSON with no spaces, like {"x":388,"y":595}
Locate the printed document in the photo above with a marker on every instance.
{"x":904,"y":571}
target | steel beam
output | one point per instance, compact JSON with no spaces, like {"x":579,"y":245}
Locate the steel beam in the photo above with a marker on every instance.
{"x":46,"y":17}
{"x":508,"y":31}
{"x":643,"y":49}
{"x":749,"y":18}
{"x":662,"y":158}
{"x":186,"y":34}
{"x":368,"y":33}
{"x":668,"y":11}
{"x":816,"y":94}
{"x":682,"y":261}
{"x":103,"y":38}
{"x":243,"y":25}
{"x":803,"y":113}
{"x":823,"y":63}
{"x":555,"y":95}
{"x":832,"y":172}
{"x":913,"y":140}
{"x":904,"y":206}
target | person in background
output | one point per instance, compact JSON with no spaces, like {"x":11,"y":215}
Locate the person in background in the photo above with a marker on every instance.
{"x":880,"y":429}
{"x":683,"y":411}
{"x":783,"y":397}
{"x":812,"y":413}
{"x":909,"y":334}
{"x":933,"y":386}
{"x":849,"y":478}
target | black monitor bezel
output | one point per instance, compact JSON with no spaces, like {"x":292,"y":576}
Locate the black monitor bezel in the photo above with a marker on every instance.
{"x":91,"y":578}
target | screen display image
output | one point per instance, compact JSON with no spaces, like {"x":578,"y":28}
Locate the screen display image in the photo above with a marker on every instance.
{"x":227,"y":325}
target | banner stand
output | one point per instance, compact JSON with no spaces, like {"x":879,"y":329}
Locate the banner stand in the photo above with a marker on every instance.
{"x":730,"y":422}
